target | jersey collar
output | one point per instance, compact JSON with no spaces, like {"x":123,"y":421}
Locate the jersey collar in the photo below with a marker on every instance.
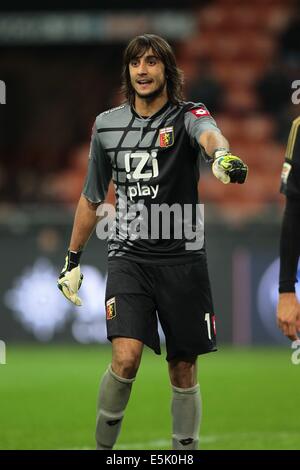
{"x":154,"y":116}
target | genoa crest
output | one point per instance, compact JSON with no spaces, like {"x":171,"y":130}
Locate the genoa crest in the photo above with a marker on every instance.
{"x":111,"y":308}
{"x":166,"y":137}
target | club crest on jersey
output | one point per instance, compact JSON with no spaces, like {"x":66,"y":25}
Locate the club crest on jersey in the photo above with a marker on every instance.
{"x":166,"y":137}
{"x":200,"y":112}
{"x":111,"y":310}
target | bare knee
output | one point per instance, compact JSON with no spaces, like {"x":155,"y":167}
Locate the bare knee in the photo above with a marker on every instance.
{"x":125,"y":367}
{"x":126,"y":358}
{"x":183,"y":373}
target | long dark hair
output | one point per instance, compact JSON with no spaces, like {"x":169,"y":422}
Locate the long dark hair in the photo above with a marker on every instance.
{"x":136,"y":48}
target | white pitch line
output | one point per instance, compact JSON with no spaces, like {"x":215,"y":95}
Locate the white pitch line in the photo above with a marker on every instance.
{"x":159,"y":443}
{"x":235,"y":437}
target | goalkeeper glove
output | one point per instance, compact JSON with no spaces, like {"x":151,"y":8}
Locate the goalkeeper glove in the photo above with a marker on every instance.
{"x":229,"y":168}
{"x":70,"y":278}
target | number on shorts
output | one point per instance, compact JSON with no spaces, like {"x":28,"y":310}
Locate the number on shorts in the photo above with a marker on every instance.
{"x":207,"y":319}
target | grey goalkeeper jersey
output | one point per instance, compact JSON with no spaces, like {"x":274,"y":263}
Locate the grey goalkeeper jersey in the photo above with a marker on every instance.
{"x":154,"y":165}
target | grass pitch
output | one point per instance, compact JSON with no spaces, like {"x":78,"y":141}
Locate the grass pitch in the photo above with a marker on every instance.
{"x":48,"y":399}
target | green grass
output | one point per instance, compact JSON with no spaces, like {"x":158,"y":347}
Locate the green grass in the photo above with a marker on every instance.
{"x":48,"y":396}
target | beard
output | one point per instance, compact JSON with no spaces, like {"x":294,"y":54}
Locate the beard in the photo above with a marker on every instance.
{"x":153,"y":94}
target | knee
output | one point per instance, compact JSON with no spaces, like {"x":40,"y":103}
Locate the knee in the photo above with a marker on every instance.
{"x":183,"y":374}
{"x":126,"y":366}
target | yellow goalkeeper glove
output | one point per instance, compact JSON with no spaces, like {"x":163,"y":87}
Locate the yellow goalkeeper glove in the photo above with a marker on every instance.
{"x":229,"y":168}
{"x":70,"y":278}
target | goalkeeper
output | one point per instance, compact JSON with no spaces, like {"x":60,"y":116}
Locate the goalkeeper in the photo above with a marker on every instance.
{"x":150,"y":147}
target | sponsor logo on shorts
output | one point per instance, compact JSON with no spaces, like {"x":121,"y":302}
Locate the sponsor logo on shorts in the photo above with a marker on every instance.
{"x":166,"y":137}
{"x":111,"y":308}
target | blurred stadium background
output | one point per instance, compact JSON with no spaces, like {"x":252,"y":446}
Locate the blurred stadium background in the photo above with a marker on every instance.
{"x":61,"y":68}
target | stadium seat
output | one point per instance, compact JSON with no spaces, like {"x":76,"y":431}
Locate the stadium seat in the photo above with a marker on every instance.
{"x":241,"y":100}
{"x":243,"y":71}
{"x":240,"y":41}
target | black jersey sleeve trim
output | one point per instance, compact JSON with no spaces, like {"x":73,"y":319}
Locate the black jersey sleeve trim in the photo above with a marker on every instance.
{"x":292,"y":139}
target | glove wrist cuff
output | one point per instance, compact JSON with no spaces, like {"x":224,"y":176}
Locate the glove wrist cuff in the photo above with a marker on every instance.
{"x":220,"y":152}
{"x":73,"y":259}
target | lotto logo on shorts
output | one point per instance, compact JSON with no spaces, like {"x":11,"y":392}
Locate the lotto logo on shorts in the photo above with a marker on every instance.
{"x":200,"y":112}
{"x":166,"y":137}
{"x":111,"y":308}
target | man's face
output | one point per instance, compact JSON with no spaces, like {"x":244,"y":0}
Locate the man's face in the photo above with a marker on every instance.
{"x":147,"y":75}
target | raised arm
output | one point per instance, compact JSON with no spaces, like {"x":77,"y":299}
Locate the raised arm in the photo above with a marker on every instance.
{"x":203,"y":129}
{"x":212,"y":141}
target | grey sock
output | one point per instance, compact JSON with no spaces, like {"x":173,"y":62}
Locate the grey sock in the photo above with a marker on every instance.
{"x":113,"y":397}
{"x":186,"y":413}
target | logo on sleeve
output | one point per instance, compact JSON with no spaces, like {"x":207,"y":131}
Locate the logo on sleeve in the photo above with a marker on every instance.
{"x":166,"y":137}
{"x":200,"y":112}
{"x":111,"y":311}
